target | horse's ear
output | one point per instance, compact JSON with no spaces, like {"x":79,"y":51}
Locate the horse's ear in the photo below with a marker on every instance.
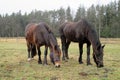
{"x":103,"y":46}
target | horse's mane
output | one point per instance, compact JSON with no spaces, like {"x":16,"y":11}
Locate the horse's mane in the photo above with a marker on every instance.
{"x":50,"y":35}
{"x":53,"y":38}
{"x":46,"y":26}
{"x":91,"y":32}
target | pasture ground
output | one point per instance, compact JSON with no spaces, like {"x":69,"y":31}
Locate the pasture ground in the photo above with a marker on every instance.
{"x":14,"y":64}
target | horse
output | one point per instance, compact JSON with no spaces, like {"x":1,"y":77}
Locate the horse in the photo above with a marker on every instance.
{"x":81,"y":32}
{"x":37,"y":35}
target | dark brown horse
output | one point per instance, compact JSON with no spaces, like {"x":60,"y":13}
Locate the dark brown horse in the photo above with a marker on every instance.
{"x":38,"y":35}
{"x":81,"y":32}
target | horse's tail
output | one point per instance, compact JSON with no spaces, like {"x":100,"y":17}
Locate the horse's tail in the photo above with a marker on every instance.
{"x":34,"y":52}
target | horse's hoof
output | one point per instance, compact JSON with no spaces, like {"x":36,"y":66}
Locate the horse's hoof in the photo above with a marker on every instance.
{"x":39,"y":62}
{"x":45,"y":64}
{"x":53,"y":62}
{"x":81,"y":62}
{"x":63,"y":59}
{"x":67,"y":57}
{"x":66,"y":60}
{"x":32,"y":58}
{"x":89,"y":64}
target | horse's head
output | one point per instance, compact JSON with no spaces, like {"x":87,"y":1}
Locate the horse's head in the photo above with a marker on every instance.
{"x":55,"y":56}
{"x":98,"y":56}
{"x":55,"y":50}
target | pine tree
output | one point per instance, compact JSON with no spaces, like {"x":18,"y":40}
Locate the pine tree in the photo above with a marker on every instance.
{"x":68,"y":14}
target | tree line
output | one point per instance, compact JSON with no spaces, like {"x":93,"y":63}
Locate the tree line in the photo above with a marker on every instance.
{"x":105,"y":18}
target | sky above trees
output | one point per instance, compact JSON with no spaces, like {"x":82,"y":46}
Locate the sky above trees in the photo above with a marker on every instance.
{"x":10,"y":6}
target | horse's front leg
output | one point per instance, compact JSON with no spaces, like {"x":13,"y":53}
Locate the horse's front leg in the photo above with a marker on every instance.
{"x":81,"y":52}
{"x":45,"y":55}
{"x":39,"y":55}
{"x":63,"y":41}
{"x":88,"y":54}
{"x":33,"y":51}
{"x":66,"y":52}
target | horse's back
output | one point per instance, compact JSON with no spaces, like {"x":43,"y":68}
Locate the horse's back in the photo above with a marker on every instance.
{"x":68,"y":30}
{"x":75,"y":31}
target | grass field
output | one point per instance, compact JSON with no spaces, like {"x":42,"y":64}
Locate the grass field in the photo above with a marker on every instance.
{"x":14,"y":64}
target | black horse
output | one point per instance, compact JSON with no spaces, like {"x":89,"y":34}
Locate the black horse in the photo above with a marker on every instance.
{"x":81,"y":32}
{"x":38,"y":35}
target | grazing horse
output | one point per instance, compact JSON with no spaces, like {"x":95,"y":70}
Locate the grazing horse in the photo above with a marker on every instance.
{"x":38,"y":35}
{"x":81,"y":32}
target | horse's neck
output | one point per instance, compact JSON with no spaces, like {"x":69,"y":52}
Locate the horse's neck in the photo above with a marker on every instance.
{"x":94,"y":39}
{"x":51,"y":49}
{"x":52,"y":40}
{"x":52,"y":46}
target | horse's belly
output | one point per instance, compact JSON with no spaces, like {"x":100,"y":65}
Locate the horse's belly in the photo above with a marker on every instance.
{"x":72,"y":38}
{"x":70,"y":35}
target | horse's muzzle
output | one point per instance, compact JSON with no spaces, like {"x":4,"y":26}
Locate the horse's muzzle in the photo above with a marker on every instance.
{"x":57,"y":65}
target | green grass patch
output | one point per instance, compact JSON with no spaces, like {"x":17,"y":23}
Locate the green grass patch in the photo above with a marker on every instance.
{"x":14,"y":64}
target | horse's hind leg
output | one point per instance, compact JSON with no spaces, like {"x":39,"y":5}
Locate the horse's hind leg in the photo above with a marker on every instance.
{"x":29,"y":50}
{"x":39,"y":55}
{"x":81,"y":52}
{"x":88,"y":54}
{"x":45,"y":55}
